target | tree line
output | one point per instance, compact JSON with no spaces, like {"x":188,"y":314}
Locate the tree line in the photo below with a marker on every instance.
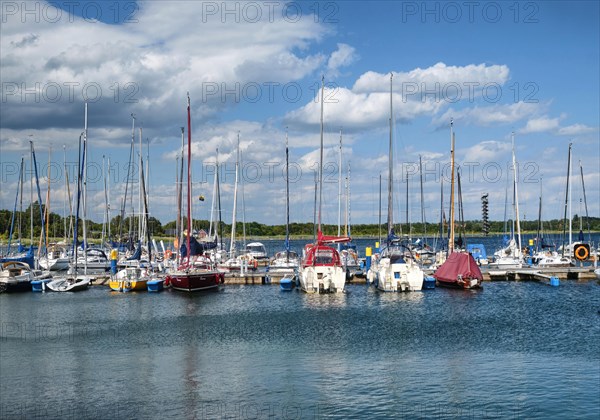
{"x":56,"y":227}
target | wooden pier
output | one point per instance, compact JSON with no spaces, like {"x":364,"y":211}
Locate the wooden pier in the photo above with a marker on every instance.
{"x":540,"y":274}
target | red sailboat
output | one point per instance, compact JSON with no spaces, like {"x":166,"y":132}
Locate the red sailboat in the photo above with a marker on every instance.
{"x":191,"y":277}
{"x":460,"y":268}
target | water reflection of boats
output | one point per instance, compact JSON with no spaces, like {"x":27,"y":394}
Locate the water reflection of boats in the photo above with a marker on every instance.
{"x":325,"y":301}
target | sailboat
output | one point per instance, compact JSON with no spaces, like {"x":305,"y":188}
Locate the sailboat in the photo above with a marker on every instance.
{"x":511,"y":256}
{"x":189,"y":277}
{"x":16,"y":272}
{"x":578,"y":249}
{"x":396,"y":270}
{"x":286,"y":261}
{"x":56,"y":257}
{"x":322,"y":269}
{"x":460,"y":269}
{"x":21,"y":255}
{"x":238,"y":262}
{"x":136,"y":277}
{"x":73,"y":282}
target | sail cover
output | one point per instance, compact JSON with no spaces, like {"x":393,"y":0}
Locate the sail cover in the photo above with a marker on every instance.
{"x":458,"y":263}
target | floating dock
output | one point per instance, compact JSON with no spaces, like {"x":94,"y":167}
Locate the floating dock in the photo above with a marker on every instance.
{"x":540,"y":274}
{"x":521,"y":274}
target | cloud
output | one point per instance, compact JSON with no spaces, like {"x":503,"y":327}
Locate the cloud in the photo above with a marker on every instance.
{"x":148,"y":66}
{"x":439,"y":77}
{"x":575,"y":129}
{"x":342,"y":57}
{"x":537,"y":125}
{"x":488,"y":115}
{"x":552,"y":125}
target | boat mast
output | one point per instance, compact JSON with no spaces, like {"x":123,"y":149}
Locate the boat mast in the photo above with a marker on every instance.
{"x":339,"y":231}
{"x":65,"y":196}
{"x":140,"y":174}
{"x":379,"y":209}
{"x":442,"y":212}
{"x":587,"y":218}
{"x":47,"y":206}
{"x":105,"y":216}
{"x":235,"y":190}
{"x":189,"y":180}
{"x":516,"y":196}
{"x":408,"y":226}
{"x":219,"y":210}
{"x":37,"y":183}
{"x":539,"y":226}
{"x":422,"y":200}
{"x":390,"y":217}
{"x":85,"y":174}
{"x":321,"y":155}
{"x":347,"y":227}
{"x":566,"y":203}
{"x":12,"y":223}
{"x":179,"y":229}
{"x":287,"y":199}
{"x":212,"y":207}
{"x":124,"y":202}
{"x":316,"y":176}
{"x":31,"y":196}
{"x":108,"y":199}
{"x":451,"y":238}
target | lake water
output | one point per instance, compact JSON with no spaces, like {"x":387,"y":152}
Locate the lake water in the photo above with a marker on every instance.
{"x":512,"y":350}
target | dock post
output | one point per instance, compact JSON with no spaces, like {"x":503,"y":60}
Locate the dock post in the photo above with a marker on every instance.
{"x":368,"y":253}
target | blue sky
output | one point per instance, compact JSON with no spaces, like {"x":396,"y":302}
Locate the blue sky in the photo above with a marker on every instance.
{"x":527,"y":67}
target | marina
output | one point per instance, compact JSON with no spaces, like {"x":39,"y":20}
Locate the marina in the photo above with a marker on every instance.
{"x":306,"y":210}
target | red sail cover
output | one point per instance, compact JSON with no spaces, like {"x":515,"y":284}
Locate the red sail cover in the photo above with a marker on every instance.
{"x":458,"y":263}
{"x":323,"y":239}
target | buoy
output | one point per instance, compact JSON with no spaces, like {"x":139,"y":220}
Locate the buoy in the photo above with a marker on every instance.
{"x":582,"y":252}
{"x":554,"y":282}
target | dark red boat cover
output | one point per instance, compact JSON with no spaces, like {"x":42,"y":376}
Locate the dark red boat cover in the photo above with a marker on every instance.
{"x":458,"y":263}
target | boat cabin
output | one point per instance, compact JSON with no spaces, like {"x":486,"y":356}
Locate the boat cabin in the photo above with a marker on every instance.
{"x":322,"y":255}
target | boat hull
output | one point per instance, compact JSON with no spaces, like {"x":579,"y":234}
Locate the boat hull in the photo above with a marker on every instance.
{"x":323,"y":279}
{"x":398,"y":277}
{"x":128,"y":285}
{"x":155,"y":285}
{"x":68,"y":285}
{"x":286,"y":284}
{"x":40,"y":285}
{"x":57,"y":264}
{"x":461,"y":284}
{"x":15,"y":286}
{"x":195,"y":281}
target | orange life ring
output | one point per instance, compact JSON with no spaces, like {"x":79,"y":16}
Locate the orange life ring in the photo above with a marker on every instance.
{"x":582,"y":252}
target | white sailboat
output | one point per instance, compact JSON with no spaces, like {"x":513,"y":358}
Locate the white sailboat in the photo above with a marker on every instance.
{"x":395,"y":270}
{"x":579,"y":249}
{"x":286,"y":261}
{"x":236,"y":262}
{"x":73,"y":282}
{"x":322,"y":269}
{"x":511,"y":255}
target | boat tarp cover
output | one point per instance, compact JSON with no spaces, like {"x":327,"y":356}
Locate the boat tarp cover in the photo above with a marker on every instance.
{"x":198,"y":248}
{"x":458,"y":263}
